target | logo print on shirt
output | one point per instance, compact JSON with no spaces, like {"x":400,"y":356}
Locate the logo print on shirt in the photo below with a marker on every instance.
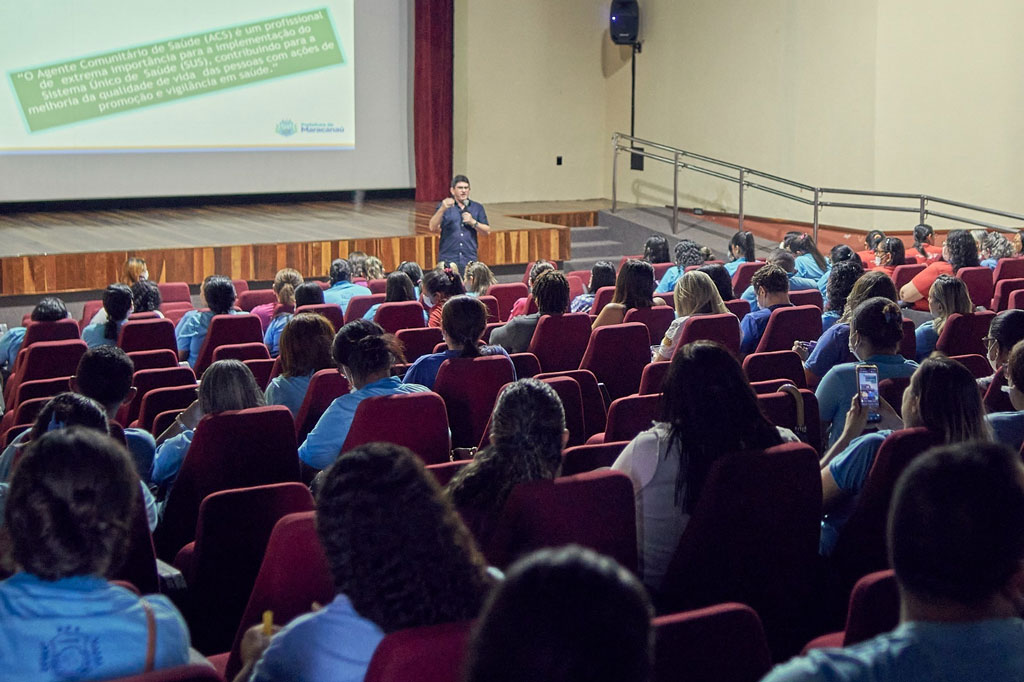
{"x":71,"y":654}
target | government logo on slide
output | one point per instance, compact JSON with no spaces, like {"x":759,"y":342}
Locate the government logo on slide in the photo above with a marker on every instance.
{"x":286,"y":127}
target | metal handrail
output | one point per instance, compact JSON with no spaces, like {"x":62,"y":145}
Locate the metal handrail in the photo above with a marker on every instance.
{"x":681,"y":159}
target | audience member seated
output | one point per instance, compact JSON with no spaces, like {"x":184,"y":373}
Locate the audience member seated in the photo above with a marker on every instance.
{"x":400,"y":558}
{"x":785,"y":260}
{"x":956,"y":543}
{"x":833,"y":347}
{"x":342,"y":290}
{"x":462,"y":323}
{"x":840,"y":254}
{"x":889,"y":254}
{"x":1008,"y":427}
{"x":551,"y":292}
{"x":286,"y":281}
{"x":118,"y":305}
{"x":226,"y":385}
{"x":695,"y":294}
{"x":948,"y":295}
{"x":686,"y":253}
{"x":438,"y":286}
{"x":357,"y":264}
{"x":305,"y":350}
{"x":601,"y":275}
{"x":134,"y":271}
{"x":810,"y":264}
{"x":634,"y":288}
{"x":942,"y":396}
{"x":219,"y":293}
{"x":415,"y":273}
{"x":374,"y":268}
{"x":959,"y":251}
{"x":49,"y":309}
{"x":309,"y":293}
{"x":522,"y":305}
{"x":871,"y":241}
{"x":364,"y":354}
{"x":564,"y":615}
{"x":876,"y":330}
{"x":842,"y":277}
{"x":527,"y":437}
{"x":771,"y":286}
{"x":68,"y":517}
{"x":146,"y":297}
{"x":479,"y":278}
{"x":994,"y":247}
{"x":722,"y":279}
{"x":924,"y":244}
{"x":741,"y":250}
{"x":1004,"y":332}
{"x":398,"y":288}
{"x":669,"y":462}
{"x":655,"y":249}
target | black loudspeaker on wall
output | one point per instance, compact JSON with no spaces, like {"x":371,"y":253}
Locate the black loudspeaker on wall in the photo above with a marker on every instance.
{"x":625,"y":22}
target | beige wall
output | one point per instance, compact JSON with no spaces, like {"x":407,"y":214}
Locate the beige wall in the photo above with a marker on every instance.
{"x":915,"y":96}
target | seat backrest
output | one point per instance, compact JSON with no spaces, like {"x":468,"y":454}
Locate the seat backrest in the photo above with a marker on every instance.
{"x":231,"y":539}
{"x":242,"y":351}
{"x":753,"y":538}
{"x":908,"y":344}
{"x":582,"y":458}
{"x":653,"y":377}
{"x":506,"y":295}
{"x":978,"y":365}
{"x":332,"y":311}
{"x":148,"y":334}
{"x":594,"y":509}
{"x":738,"y":307}
{"x":159,"y":400}
{"x":782,"y":409}
{"x":241,"y":285}
{"x":995,"y":398}
{"x":964,"y":334}
{"x":559,"y":341}
{"x":602,"y":297}
{"x":595,"y":412}
{"x":283,"y":585}
{"x":576,"y":286}
{"x":629,"y":415}
{"x":741,"y":278}
{"x":89,"y":310}
{"x":622,"y":261}
{"x":400,"y":315}
{"x":58,"y":330}
{"x":777,"y":364}
{"x":526,"y":273}
{"x":568,"y":390}
{"x":172,"y":292}
{"x":892,"y":390}
{"x":723,"y":328}
{"x":617,"y":355}
{"x":902,"y":274}
{"x":228,"y":329}
{"x":233,"y":449}
{"x":139,"y":565}
{"x":874,"y":607}
{"x":146,"y":380}
{"x":786,"y":325}
{"x":45,"y":360}
{"x":657,"y":318}
{"x":721,"y":643}
{"x":979,"y":284}
{"x":1016,"y":300}
{"x":1008,"y":268}
{"x":247,"y":300}
{"x":417,"y":421}
{"x":324,"y":387}
{"x":660,"y":269}
{"x":261,"y":369}
{"x":358,"y":305}
{"x":152,"y":359}
{"x":419,"y":342}
{"x":39,"y":388}
{"x":526,"y":365}
{"x":1002,"y":291}
{"x":377,"y":286}
{"x":469,"y":387}
{"x":491,"y":303}
{"x":435,"y":653}
{"x":807,"y":297}
{"x":445,"y":472}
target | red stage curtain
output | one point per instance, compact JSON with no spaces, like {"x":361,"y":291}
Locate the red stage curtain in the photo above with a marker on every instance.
{"x":432,"y":94}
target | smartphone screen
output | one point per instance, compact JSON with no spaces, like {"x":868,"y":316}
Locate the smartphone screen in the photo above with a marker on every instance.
{"x":867,"y":388}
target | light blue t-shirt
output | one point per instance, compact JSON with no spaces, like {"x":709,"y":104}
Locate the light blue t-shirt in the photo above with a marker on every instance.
{"x":1007,"y":428}
{"x":732,"y":266}
{"x":191,"y":332}
{"x":168,"y":458}
{"x":287,"y":391}
{"x":334,"y":643}
{"x":82,"y":628}
{"x":10,"y":344}
{"x":669,"y":279}
{"x":839,"y":385}
{"x":807,"y":267}
{"x":323,"y":444}
{"x":95,"y":334}
{"x":849,"y":469}
{"x":926,"y":338}
{"x":272,"y":337}
{"x":342,"y":292}
{"x":918,"y":652}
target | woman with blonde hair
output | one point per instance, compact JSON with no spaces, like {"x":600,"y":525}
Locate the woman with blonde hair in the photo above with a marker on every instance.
{"x":695,"y":294}
{"x":948,"y":295}
{"x":286,"y":281}
{"x":374,"y":268}
{"x":134,"y":270}
{"x":479,"y":278}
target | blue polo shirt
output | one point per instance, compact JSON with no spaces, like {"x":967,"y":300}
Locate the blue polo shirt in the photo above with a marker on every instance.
{"x":752,"y":327}
{"x":458,"y":241}
{"x":344,"y":291}
{"x":839,"y":385}
{"x":796,"y":283}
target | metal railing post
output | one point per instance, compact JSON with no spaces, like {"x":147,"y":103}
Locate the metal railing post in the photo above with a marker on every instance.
{"x":615,"y":165}
{"x":743,"y":175}
{"x":675,"y":193}
{"x":817,"y":208}
{"x":922,"y":212}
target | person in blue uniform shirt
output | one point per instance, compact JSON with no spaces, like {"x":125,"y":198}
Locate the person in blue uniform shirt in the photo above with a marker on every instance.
{"x":459,"y":220}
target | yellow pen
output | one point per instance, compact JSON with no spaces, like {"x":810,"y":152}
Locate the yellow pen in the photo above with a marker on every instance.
{"x":268,"y":622}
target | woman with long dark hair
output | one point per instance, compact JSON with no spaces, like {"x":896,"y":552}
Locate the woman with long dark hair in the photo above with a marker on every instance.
{"x":634,"y":288}
{"x":924,"y":243}
{"x":669,"y":463}
{"x":438,"y":287}
{"x":118,"y":305}
{"x":398,"y":288}
{"x":889,"y":254}
{"x":809,"y":261}
{"x":741,"y":250}
{"x":959,"y":251}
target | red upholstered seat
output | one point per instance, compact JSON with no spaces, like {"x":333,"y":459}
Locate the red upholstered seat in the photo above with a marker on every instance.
{"x":653,"y":377}
{"x":807,"y":297}
{"x":417,"y":421}
{"x":241,"y":286}
{"x":628,"y":416}
{"x":159,"y":400}
{"x":174,"y":292}
{"x":582,"y":458}
{"x":779,"y":364}
{"x":57,"y":330}
{"x":996,"y":399}
{"x":979,"y":284}
{"x":324,"y":387}
{"x":358,"y":305}
{"x":402,"y":315}
{"x":147,"y":334}
{"x":1008,"y":268}
{"x":434,"y":653}
{"x":568,"y":390}
{"x":45,"y":360}
{"x":469,"y":387}
{"x":786,"y":325}
{"x":491,"y":303}
{"x":801,"y":416}
{"x":419,"y":342}
{"x":978,"y":365}
{"x":39,"y":388}
{"x":559,"y":341}
{"x":507,"y":295}
{"x":874,"y":609}
{"x":526,"y":364}
{"x":902,"y":274}
{"x":377,"y":286}
{"x":656,"y":318}
{"x":146,"y":380}
{"x":722,"y":643}
{"x":602,"y":297}
{"x":332,"y":311}
{"x":964,"y":334}
{"x":1002,"y":291}
{"x":595,"y":412}
{"x":242,"y":351}
{"x":152,"y":359}
{"x":224,"y":330}
{"x":723,"y":328}
{"x":262,"y":369}
{"x":89,"y":310}
{"x":233,"y":449}
{"x":738,"y":307}
{"x":247,"y":300}
{"x":741,"y":278}
{"x":617,"y":355}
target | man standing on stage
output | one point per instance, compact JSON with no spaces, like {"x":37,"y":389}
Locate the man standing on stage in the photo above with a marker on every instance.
{"x":458,"y":219}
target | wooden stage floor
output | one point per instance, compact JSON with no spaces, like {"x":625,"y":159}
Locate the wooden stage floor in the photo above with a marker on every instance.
{"x":79,"y":250}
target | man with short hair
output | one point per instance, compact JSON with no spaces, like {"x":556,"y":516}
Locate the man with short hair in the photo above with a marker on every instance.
{"x":342,"y":290}
{"x":956,"y":544}
{"x":787,"y":261}
{"x":458,"y":220}
{"x":771,"y":284}
{"x":551,"y":291}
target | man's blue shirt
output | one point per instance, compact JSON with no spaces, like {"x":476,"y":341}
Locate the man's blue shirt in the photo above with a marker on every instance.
{"x":459,"y":241}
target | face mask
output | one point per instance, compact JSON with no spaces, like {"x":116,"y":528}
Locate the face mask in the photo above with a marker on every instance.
{"x":428,"y":300}
{"x":878,"y":260}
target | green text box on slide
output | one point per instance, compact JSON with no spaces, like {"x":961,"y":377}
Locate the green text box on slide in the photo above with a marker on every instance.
{"x":114,"y":82}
